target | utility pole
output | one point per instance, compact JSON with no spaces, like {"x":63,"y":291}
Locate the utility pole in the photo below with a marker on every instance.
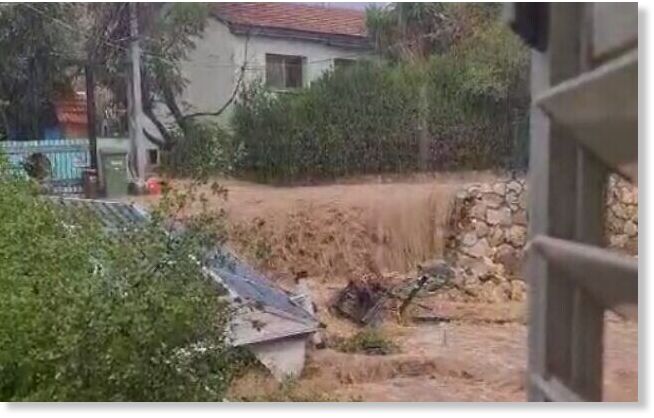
{"x":90,"y":174}
{"x":90,"y":113}
{"x":134,"y":104}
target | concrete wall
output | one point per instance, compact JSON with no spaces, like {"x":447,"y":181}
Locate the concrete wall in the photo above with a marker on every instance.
{"x":214,"y":65}
{"x":212,"y":68}
{"x":284,"y":357}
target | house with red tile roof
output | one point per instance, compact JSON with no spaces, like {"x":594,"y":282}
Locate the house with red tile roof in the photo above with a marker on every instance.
{"x":71,"y":116}
{"x":284,"y":45}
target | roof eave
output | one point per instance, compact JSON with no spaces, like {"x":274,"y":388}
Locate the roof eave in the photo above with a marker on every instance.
{"x":330,"y":39}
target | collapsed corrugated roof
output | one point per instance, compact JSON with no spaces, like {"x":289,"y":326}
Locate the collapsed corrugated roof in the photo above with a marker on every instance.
{"x":113,"y":215}
{"x":264,"y":311}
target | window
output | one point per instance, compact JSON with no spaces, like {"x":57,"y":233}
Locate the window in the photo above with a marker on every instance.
{"x":153,"y":157}
{"x":284,"y":71}
{"x":343,"y":63}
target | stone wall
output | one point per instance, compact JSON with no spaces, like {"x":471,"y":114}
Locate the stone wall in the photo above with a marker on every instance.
{"x":622,"y":216}
{"x":489,"y":223}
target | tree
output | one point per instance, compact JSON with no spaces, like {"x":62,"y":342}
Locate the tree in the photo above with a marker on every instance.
{"x":475,"y":71}
{"x":35,"y":55}
{"x":415,"y":31}
{"x":169,"y":32}
{"x":46,"y":45}
{"x":412,"y":32}
{"x":409,"y":31}
{"x":92,"y":315}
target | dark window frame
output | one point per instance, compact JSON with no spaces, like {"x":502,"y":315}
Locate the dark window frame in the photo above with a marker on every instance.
{"x":289,"y":74}
{"x":156,"y":160}
{"x":341,"y":64}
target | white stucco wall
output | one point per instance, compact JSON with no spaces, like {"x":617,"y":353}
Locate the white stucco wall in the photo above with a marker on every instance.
{"x":214,"y":65}
{"x":284,"y":357}
{"x":212,"y":69}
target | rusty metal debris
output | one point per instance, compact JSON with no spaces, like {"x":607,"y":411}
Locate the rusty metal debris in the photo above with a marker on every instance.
{"x":364,"y":300}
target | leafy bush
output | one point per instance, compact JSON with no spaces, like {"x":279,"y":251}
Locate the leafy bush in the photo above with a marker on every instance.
{"x":92,"y":316}
{"x":354,"y":121}
{"x":472,"y":101}
{"x":478,"y":102}
{"x":205,"y":149}
{"x":368,"y":341}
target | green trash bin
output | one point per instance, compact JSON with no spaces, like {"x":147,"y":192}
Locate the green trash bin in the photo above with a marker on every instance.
{"x":114,"y":171}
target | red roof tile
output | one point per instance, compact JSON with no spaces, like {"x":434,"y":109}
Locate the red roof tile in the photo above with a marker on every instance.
{"x":71,"y":110}
{"x":295,"y":17}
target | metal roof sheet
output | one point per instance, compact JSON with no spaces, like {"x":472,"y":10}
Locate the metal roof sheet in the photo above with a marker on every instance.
{"x":254,"y":287}
{"x":241,"y":280}
{"x":113,"y":215}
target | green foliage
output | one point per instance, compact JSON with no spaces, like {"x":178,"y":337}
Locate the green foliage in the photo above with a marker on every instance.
{"x":34,"y":51}
{"x":202,"y":150}
{"x":368,"y":341}
{"x":451,"y":93}
{"x":88,"y":315}
{"x":478,"y":104}
{"x":367,"y":119}
{"x":360,"y":120}
{"x":409,"y":31}
{"x":172,"y":32}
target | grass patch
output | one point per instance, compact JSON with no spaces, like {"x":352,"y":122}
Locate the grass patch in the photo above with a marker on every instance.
{"x":288,"y":391}
{"x":257,"y":385}
{"x":368,"y":341}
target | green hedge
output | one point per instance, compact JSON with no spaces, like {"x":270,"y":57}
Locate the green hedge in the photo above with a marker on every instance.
{"x":348,"y":122}
{"x":367,"y":119}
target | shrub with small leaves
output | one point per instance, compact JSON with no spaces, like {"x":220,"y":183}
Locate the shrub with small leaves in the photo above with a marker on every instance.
{"x":368,"y":341}
{"x":92,"y":315}
{"x":462,"y":105}
{"x":206,"y":149}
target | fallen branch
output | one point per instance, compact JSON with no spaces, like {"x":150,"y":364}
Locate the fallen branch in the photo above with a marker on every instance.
{"x":414,"y":292}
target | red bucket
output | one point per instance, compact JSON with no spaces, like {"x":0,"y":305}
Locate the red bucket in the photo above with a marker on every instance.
{"x":153,"y":185}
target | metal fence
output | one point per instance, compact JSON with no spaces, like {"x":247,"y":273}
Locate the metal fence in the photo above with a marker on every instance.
{"x":65,"y":159}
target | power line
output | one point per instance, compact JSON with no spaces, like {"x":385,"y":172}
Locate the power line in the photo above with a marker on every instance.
{"x":105,"y":41}
{"x":113,"y":45}
{"x":203,"y":64}
{"x":208,"y":63}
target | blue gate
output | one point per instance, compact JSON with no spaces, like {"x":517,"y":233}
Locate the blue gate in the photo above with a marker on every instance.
{"x":64,"y":159}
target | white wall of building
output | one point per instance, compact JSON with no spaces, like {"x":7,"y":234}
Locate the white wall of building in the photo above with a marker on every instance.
{"x":214,"y":65}
{"x":212,"y":69}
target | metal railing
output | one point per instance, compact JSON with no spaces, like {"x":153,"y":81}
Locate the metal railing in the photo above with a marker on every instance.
{"x":64,"y":161}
